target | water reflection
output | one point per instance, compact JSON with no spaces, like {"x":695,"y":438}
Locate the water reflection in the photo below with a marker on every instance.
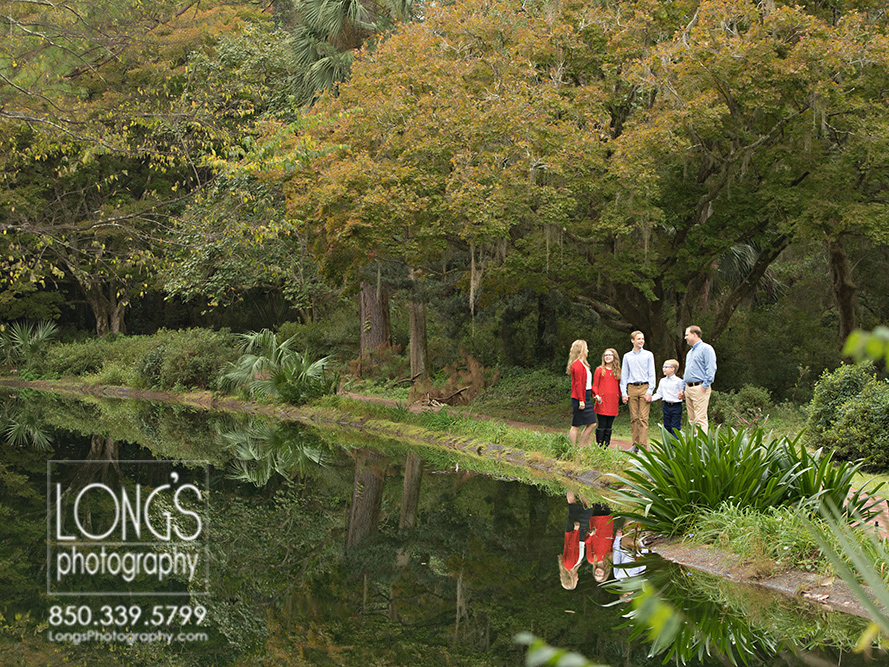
{"x":330,"y":548}
{"x":589,"y":534}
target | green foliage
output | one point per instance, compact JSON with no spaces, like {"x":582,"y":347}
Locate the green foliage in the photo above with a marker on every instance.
{"x":849,"y":413}
{"x":187,"y":358}
{"x":669,"y":484}
{"x":267,"y":369}
{"x":166,"y":360}
{"x":747,"y":407}
{"x":833,"y":390}
{"x":873,"y":345}
{"x":76,"y":359}
{"x":541,"y":654}
{"x":24,"y":342}
{"x":851,"y":554}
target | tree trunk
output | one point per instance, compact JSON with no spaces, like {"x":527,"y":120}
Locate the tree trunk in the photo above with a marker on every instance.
{"x":367,"y":496}
{"x":419,"y":349}
{"x":108,"y":309}
{"x":843,"y":287}
{"x":410,"y":501}
{"x":410,"y":497}
{"x":374,"y":311}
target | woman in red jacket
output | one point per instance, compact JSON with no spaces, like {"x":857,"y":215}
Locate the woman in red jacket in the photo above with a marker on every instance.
{"x":584,"y":416}
{"x":606,"y":390}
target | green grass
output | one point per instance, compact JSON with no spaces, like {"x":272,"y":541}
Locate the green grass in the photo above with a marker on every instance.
{"x":463,"y":423}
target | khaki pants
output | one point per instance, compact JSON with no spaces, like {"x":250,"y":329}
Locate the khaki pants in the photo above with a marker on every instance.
{"x":639,"y":409}
{"x":697,"y":400}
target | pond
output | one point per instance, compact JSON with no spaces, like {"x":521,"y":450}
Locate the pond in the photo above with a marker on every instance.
{"x":153,"y":534}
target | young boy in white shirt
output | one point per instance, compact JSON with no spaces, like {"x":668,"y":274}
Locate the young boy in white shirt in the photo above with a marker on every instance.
{"x":668,"y":390}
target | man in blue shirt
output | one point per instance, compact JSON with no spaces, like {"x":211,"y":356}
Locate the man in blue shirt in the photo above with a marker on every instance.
{"x":637,"y":381}
{"x":700,"y":369}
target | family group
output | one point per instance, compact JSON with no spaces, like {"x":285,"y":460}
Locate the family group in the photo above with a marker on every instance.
{"x":596,"y":395}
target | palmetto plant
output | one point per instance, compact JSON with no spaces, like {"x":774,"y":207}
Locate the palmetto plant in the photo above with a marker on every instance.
{"x":669,"y":484}
{"x":22,"y":342}
{"x":268,"y":369}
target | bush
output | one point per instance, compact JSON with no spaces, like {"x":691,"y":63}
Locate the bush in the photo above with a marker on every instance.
{"x":75,"y":359}
{"x":833,"y":390}
{"x":746,"y":408}
{"x":862,"y":428}
{"x":186,"y":358}
{"x":268,"y":369}
{"x":168,"y":359}
{"x":849,"y":414}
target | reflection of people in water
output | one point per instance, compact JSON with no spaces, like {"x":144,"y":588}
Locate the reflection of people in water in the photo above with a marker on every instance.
{"x":575,"y":542}
{"x":599,"y":541}
{"x":627,"y":548}
{"x":589,"y":533}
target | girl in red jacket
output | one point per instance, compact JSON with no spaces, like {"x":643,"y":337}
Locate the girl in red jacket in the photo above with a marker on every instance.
{"x":606,"y":390}
{"x":584,"y":416}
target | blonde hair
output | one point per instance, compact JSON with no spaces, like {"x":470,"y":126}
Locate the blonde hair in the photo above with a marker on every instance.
{"x":673,"y":363}
{"x":634,"y":334}
{"x":578,"y":347}
{"x":568,"y":577}
{"x":615,"y":363}
{"x":606,"y":570}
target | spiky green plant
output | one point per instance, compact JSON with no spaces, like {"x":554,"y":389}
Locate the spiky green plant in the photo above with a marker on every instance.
{"x":22,"y":342}
{"x":856,"y":567}
{"x":667,"y":485}
{"x":268,"y":369}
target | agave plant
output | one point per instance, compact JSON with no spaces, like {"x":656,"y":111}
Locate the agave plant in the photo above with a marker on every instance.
{"x":676,"y":478}
{"x":268,"y":369}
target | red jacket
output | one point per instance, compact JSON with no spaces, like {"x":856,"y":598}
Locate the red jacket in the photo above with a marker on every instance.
{"x":606,"y":386}
{"x":571,"y":550}
{"x":599,"y":538}
{"x":578,"y":380}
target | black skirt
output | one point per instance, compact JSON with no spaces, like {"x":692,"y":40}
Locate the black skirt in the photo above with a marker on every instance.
{"x":587,"y":415}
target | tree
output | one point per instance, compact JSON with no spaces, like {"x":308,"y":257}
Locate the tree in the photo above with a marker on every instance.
{"x":105,"y":132}
{"x":619,"y":157}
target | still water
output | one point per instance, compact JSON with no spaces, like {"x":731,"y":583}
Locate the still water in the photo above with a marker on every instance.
{"x":148,"y":534}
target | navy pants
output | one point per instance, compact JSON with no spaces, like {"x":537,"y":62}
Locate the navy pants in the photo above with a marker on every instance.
{"x":673,"y":417}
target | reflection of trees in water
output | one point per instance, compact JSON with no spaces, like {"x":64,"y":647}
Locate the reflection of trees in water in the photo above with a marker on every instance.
{"x":690,"y":616}
{"x":21,"y":425}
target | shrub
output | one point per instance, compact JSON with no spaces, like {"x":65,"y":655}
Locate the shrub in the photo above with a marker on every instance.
{"x":26,"y":342}
{"x":669,"y":484}
{"x":746,"y":408}
{"x":862,"y":428}
{"x":849,"y":413}
{"x":268,"y":369}
{"x":74,"y":358}
{"x":185,"y":358}
{"x":833,"y":390}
